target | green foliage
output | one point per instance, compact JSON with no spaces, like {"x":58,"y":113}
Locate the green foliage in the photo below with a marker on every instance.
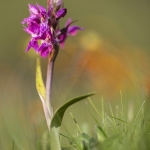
{"x":58,"y":116}
{"x":54,"y":139}
{"x":39,"y":81}
{"x":116,"y":133}
{"x":57,"y":120}
{"x":118,"y":127}
{"x":45,"y":141}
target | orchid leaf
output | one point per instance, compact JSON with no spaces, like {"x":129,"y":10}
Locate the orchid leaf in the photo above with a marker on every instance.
{"x":39,"y":82}
{"x":54,"y":139}
{"x":41,"y":90}
{"x":58,"y":115}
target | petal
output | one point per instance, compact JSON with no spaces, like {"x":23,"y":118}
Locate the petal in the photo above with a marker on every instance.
{"x":43,"y":45}
{"x":31,"y":18}
{"x":33,"y":9}
{"x":62,"y":38}
{"x":61,"y":13}
{"x":45,"y":49}
{"x":72,"y":30}
{"x":41,"y":8}
{"x":50,"y":10}
{"x":24,"y":21}
{"x":33,"y":43}
{"x":63,"y":31}
{"x":68,"y":22}
{"x":43,"y":28}
{"x":34,"y":19}
{"x":33,"y":29}
{"x":28,"y":47}
{"x":28,"y":31}
{"x":44,"y":53}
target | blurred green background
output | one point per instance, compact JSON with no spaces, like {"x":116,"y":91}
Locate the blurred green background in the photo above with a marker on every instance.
{"x":112,"y":53}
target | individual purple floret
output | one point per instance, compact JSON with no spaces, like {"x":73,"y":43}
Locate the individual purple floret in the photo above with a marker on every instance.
{"x":43,"y":26}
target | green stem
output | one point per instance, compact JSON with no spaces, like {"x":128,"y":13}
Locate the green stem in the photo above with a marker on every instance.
{"x":49,"y":85}
{"x":50,"y":69}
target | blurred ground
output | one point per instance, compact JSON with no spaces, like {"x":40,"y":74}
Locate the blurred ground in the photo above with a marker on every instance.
{"x":112,"y":53}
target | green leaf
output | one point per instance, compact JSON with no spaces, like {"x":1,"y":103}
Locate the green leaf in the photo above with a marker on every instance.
{"x":54,"y":139}
{"x":118,"y":119}
{"x":39,"y":81}
{"x":102,"y":131}
{"x":113,"y":142}
{"x":41,"y":90}
{"x":101,"y":135}
{"x":45,"y":141}
{"x":58,"y":116}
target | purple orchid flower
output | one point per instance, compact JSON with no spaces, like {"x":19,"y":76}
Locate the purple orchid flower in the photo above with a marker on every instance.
{"x":43,"y":27}
{"x":67,"y":31}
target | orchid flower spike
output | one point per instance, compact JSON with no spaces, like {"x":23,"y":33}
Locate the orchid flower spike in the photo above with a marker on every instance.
{"x":43,"y":27}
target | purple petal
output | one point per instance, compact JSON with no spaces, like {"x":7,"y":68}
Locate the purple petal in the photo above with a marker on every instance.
{"x":31,"y":18}
{"x":41,"y":8}
{"x":28,"y":47}
{"x":34,"y":19}
{"x":62,"y":38}
{"x":44,"y":52}
{"x":28,"y":31}
{"x":72,"y":30}
{"x":43,"y":28}
{"x":33,"y":43}
{"x":61,"y":13}
{"x":50,"y":10}
{"x":33,"y":29}
{"x":68,"y":22}
{"x":33,"y":9}
{"x":45,"y":49}
{"x":24,"y":21}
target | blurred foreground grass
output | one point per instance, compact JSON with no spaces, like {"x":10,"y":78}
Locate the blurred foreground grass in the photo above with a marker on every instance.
{"x":119,"y":125}
{"x":122,"y":127}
